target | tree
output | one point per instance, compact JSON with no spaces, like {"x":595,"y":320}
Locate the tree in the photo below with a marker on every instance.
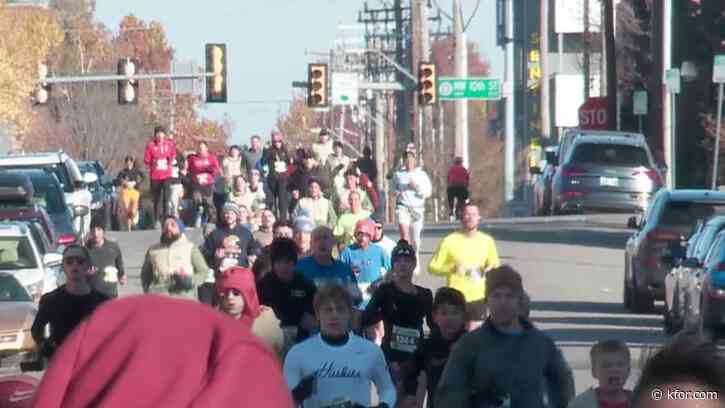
{"x":38,"y":31}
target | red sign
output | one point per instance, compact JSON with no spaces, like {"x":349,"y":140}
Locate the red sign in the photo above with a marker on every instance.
{"x":593,"y":114}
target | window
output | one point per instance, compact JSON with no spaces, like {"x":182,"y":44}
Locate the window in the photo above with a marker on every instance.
{"x":11,"y":290}
{"x":57,"y":169}
{"x":48,"y":194}
{"x":686,"y":214}
{"x":610,"y":155}
{"x":16,"y":253}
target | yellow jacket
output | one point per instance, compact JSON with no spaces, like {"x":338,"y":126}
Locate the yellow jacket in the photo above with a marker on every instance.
{"x":461,"y":259}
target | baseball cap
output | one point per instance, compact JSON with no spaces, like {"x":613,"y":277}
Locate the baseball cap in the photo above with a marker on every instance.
{"x":304,"y":224}
{"x":403,"y":248}
{"x":377,"y":220}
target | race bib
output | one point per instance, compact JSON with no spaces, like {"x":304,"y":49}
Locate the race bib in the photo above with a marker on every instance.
{"x":203,"y":178}
{"x":280,"y":166}
{"x":404,"y":339}
{"x":475,"y":274}
{"x":110,"y":274}
{"x":162,"y":164}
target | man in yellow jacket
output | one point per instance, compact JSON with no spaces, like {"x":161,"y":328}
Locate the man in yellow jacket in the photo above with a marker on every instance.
{"x":464,"y":257}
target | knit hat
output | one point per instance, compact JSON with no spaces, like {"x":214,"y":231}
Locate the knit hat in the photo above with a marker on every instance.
{"x":166,"y":352}
{"x":241,"y":279}
{"x":304,"y":224}
{"x":504,"y":277}
{"x":230,"y":206}
{"x":403,"y":248}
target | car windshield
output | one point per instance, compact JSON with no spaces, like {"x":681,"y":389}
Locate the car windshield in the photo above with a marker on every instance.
{"x":48,"y":193}
{"x":57,"y":169}
{"x":610,"y":155}
{"x":686,"y":214}
{"x":16,"y":253}
{"x":11,"y":290}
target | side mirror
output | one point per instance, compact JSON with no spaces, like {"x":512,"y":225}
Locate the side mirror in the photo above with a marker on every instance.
{"x":632,"y":222}
{"x":52,"y":258}
{"x":80,"y":211}
{"x":90,"y":178}
{"x":691,"y":263}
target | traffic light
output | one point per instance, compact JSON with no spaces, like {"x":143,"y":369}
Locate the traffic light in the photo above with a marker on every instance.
{"x":216,"y":63}
{"x":317,"y":85}
{"x":127,"y":88}
{"x":427,"y":94}
{"x":42,"y":90}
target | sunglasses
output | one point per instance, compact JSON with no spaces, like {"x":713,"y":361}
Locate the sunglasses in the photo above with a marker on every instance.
{"x":74,"y":260}
{"x":235,"y":292}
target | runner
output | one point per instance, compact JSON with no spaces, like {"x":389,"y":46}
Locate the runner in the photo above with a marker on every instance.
{"x":65,"y":307}
{"x":322,"y":149}
{"x":303,"y":227}
{"x":238,"y":298}
{"x":158,"y":156}
{"x":204,"y":168}
{"x":320,"y":208}
{"x":265,"y":233}
{"x":368,"y":262}
{"x":231,"y":245}
{"x":411,"y":186}
{"x":288,"y":293}
{"x":401,"y":306}
{"x":458,"y":179}
{"x":322,"y":269}
{"x":507,"y":362}
{"x":380,"y":238}
{"x":449,"y":318}
{"x":175,"y":266}
{"x":345,"y":228}
{"x":107,"y":261}
{"x":276,"y":159}
{"x":336,"y":368}
{"x":464,"y":257}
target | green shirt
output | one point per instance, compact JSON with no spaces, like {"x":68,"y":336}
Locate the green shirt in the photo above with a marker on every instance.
{"x":345,"y":227}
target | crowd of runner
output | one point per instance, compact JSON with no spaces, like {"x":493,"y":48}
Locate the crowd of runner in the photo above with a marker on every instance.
{"x":294,"y":250}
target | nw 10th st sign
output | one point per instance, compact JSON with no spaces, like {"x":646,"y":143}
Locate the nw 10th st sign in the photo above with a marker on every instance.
{"x":469,"y":88}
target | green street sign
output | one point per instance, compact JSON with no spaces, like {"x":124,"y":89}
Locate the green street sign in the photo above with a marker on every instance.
{"x":450,"y":89}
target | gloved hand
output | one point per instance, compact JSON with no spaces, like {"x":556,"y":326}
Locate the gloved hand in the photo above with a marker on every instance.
{"x":304,"y":389}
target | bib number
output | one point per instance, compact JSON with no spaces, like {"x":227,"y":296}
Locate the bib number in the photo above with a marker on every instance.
{"x":110,"y":274}
{"x":280,"y":167}
{"x":162,"y":164}
{"x":404,"y":339}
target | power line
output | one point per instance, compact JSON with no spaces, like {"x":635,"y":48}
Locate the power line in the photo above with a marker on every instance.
{"x":475,"y":10}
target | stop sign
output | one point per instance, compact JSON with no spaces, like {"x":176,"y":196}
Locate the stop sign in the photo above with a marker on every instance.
{"x":593,"y":114}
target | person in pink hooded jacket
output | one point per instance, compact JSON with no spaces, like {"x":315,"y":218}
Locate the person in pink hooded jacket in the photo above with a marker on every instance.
{"x":159,"y":157}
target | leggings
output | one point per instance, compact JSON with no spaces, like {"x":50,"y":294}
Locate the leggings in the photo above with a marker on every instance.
{"x":160,"y":196}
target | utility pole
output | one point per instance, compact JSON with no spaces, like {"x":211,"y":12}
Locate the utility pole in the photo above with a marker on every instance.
{"x":667,"y":95}
{"x":510,"y":155}
{"x":402,"y":106}
{"x":461,"y":66}
{"x":545,"y":90}
{"x":587,"y":54}
{"x":611,"y":64}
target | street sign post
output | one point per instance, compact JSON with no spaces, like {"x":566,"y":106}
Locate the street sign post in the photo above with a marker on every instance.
{"x":672,"y":83}
{"x":450,"y":89}
{"x":345,"y":88}
{"x":640,"y":106}
{"x":718,"y":77}
{"x":593,"y":114}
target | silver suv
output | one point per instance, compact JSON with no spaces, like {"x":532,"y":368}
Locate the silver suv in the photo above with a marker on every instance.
{"x":605,"y":171}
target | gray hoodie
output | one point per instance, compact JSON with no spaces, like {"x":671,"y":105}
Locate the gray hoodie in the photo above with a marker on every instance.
{"x":488,"y":364}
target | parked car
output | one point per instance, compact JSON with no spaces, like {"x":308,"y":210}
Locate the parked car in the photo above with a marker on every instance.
{"x":19,"y":256}
{"x":706,"y":292}
{"x":670,"y":219}
{"x":542,"y":186}
{"x":74,"y":183}
{"x":48,"y":193}
{"x":102,"y":192}
{"x":685,"y":273}
{"x":611,"y":172}
{"x":17,"y":312}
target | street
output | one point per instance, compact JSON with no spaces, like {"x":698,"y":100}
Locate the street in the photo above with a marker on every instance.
{"x":572,"y":269}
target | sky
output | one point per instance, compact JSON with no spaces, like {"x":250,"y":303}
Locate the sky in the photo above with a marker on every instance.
{"x":267,"y":42}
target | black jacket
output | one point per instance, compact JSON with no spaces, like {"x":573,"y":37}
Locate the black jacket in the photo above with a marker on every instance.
{"x":246,"y":243}
{"x":134,"y":175}
{"x":272,"y":155}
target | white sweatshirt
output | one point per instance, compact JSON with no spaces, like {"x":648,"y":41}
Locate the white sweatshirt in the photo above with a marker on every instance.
{"x":407,"y":195}
{"x":342,"y":374}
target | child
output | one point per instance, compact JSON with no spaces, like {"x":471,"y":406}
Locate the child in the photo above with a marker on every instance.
{"x":449,"y":318}
{"x":401,"y":306}
{"x":128,"y":206}
{"x":336,"y":368}
{"x":610,"y":366}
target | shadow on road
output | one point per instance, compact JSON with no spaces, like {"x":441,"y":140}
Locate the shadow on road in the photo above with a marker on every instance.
{"x":584,"y":307}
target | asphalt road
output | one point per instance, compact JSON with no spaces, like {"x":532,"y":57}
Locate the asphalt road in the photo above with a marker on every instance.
{"x":572,"y":269}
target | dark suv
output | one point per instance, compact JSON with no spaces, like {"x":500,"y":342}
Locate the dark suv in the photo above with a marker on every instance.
{"x":611,"y":172}
{"x":671,"y":219}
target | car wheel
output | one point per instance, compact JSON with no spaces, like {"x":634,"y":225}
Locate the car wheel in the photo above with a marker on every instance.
{"x":641,"y":302}
{"x":671,"y":323}
{"x":626,"y":294}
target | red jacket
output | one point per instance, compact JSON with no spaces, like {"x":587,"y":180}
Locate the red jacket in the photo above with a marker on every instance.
{"x":457,"y":176}
{"x":370,"y":189}
{"x":203,"y":170}
{"x":159,"y":157}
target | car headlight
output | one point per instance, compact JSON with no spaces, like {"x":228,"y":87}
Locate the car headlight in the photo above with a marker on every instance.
{"x":35,"y":290}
